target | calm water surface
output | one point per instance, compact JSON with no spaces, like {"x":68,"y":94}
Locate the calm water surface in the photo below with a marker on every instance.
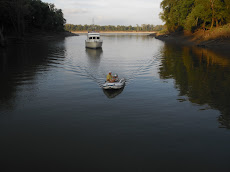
{"x":173,"y":113}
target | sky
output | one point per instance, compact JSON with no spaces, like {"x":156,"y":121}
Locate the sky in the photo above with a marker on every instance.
{"x":110,"y":12}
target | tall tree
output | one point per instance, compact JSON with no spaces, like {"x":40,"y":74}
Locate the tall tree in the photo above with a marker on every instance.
{"x":19,"y":16}
{"x":175,"y":13}
{"x":193,"y":14}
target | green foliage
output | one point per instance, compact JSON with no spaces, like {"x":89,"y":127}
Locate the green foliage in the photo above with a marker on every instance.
{"x":143,"y":27}
{"x":201,"y":13}
{"x":20,"y":16}
{"x":175,"y":13}
{"x":45,"y":16}
{"x":195,"y":14}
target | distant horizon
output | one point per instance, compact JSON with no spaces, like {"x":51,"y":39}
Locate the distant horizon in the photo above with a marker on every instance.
{"x":110,"y":12}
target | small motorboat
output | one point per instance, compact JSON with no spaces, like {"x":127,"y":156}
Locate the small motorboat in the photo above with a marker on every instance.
{"x":118,"y":84}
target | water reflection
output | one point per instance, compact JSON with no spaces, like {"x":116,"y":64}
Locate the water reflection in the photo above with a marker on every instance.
{"x":119,"y":38}
{"x":201,"y":75}
{"x":94,"y":55}
{"x":3,"y":60}
{"x":20,"y":64}
{"x":113,"y":93}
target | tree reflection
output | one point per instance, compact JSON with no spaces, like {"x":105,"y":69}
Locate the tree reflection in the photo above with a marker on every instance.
{"x":201,"y":75}
{"x":20,"y":64}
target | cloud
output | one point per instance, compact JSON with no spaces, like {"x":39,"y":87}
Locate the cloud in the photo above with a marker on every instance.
{"x":110,"y":12}
{"x":74,"y":10}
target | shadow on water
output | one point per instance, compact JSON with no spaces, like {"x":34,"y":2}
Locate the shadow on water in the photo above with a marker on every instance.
{"x":20,"y":64}
{"x":112,"y":93}
{"x":200,"y":75}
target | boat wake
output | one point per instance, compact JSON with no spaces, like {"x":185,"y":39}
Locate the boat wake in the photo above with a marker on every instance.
{"x":96,"y":68}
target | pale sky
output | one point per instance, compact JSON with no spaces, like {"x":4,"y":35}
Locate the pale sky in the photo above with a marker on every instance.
{"x":110,"y":12}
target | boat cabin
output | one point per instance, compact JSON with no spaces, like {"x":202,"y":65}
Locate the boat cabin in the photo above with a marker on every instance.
{"x":94,"y":36}
{"x":93,"y":40}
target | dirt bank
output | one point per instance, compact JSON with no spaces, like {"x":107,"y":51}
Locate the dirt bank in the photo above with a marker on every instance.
{"x":200,"y":38}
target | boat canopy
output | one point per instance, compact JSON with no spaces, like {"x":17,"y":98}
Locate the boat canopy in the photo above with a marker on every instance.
{"x":94,"y":35}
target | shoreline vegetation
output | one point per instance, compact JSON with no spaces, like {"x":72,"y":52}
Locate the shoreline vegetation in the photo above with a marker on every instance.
{"x":112,"y":28}
{"x":25,"y":19}
{"x":148,"y":32}
{"x":217,"y":38}
{"x":44,"y":36}
{"x":205,"y":23}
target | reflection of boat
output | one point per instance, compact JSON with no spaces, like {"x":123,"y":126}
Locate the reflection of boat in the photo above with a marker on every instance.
{"x":93,"y":40}
{"x":113,"y":93}
{"x":95,"y":53}
{"x":94,"y":56}
{"x":118,"y":84}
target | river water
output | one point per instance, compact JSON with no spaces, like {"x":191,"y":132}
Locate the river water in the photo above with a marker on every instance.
{"x":173,"y":113}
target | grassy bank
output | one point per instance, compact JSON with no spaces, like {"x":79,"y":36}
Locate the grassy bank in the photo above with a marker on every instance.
{"x":222,"y":32}
{"x":218,"y":38}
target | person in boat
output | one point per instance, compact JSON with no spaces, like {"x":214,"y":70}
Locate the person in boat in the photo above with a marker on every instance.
{"x":115,"y":77}
{"x":110,"y":78}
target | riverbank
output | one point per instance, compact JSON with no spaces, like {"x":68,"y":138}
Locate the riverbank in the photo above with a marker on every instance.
{"x":123,"y":32}
{"x":49,"y":36}
{"x":37,"y":36}
{"x":218,"y":38}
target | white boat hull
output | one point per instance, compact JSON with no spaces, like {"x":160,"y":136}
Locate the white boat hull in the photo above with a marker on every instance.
{"x":114,"y":85}
{"x":95,"y":44}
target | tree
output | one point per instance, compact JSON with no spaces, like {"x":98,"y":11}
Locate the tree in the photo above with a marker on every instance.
{"x":194,"y":14}
{"x":200,"y":14}
{"x":175,"y":13}
{"x":20,"y":16}
{"x":13,"y":14}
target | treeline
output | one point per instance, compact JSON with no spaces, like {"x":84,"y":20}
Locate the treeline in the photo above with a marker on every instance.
{"x":143,"y":27}
{"x":195,"y":14}
{"x":21,"y":16}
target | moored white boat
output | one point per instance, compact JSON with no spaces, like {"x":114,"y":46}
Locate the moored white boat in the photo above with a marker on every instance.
{"x":120,"y":83}
{"x":93,"y":40}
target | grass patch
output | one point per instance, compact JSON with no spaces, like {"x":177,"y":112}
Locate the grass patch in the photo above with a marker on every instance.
{"x":163,"y":32}
{"x":222,"y":32}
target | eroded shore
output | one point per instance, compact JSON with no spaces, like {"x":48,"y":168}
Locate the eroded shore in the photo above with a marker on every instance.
{"x":197,"y":39}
